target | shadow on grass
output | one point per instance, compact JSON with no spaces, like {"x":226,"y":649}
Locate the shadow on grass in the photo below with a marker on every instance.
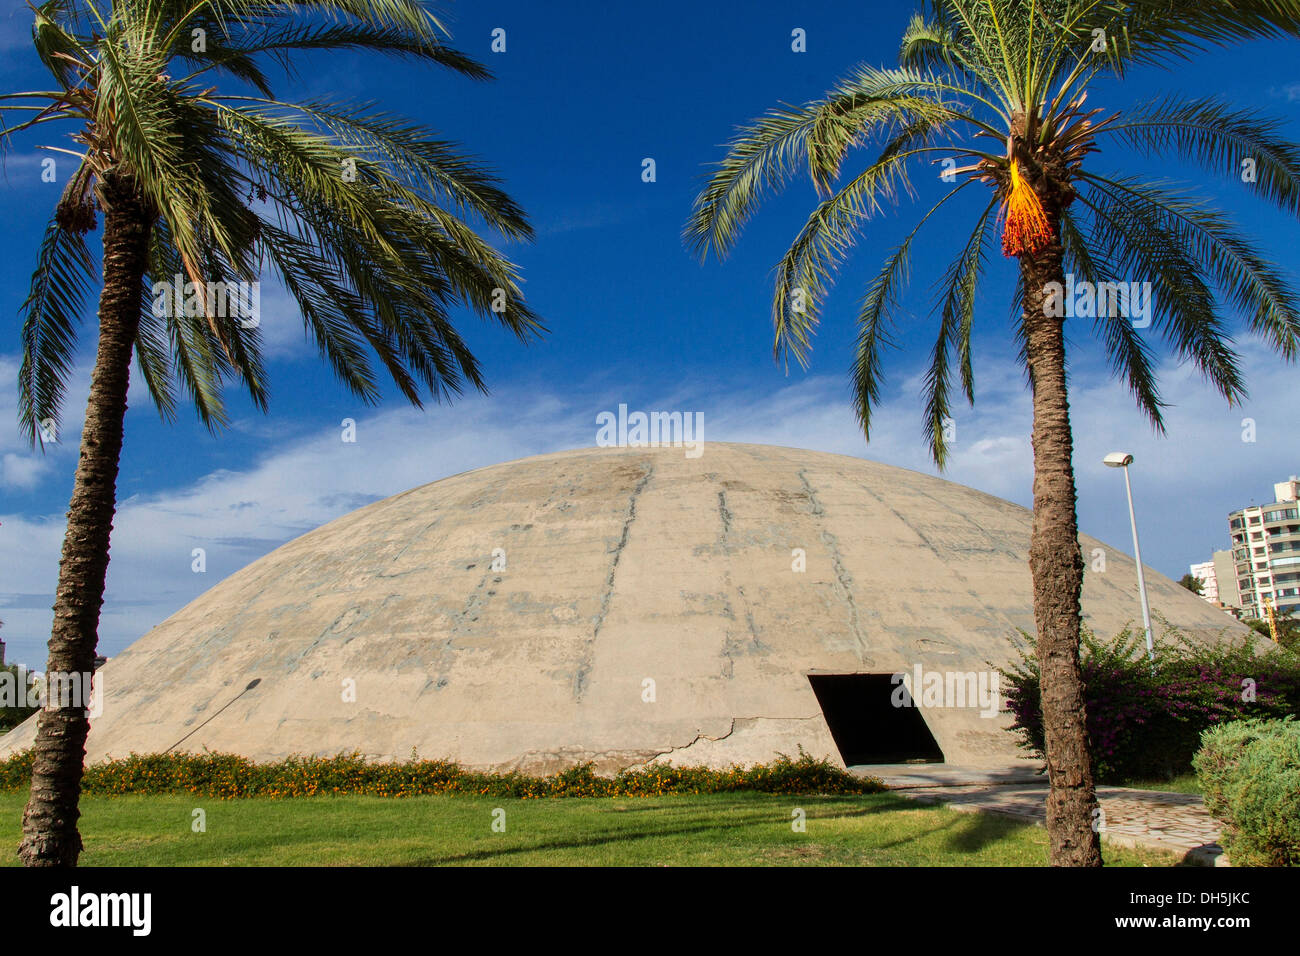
{"x":979,"y":830}
{"x":744,"y":818}
{"x":596,"y":839}
{"x":833,"y":805}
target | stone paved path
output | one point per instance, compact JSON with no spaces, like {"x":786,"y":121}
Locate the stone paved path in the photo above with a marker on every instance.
{"x":1176,"y":822}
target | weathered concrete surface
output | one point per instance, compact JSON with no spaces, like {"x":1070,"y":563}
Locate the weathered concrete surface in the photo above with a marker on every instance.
{"x":622,"y":566}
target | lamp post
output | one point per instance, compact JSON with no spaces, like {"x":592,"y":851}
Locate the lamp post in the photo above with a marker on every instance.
{"x":1119,"y":459}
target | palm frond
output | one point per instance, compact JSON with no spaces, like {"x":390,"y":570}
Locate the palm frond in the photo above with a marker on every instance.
{"x":437,"y":168}
{"x":51,"y":314}
{"x":1220,"y":139}
{"x":1219,"y":251}
{"x":956,"y":317}
{"x":1129,"y":354}
{"x":1173,"y":30}
{"x":281,"y":40}
{"x":1141,"y":242}
{"x":763,"y":156}
{"x":809,"y":265}
{"x":401,"y":256}
{"x":875,"y":320}
{"x":933,"y":44}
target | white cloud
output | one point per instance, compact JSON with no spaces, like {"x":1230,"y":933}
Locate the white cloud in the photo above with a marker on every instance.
{"x":24,"y":466}
{"x":1290,"y":92}
{"x":23,"y":471}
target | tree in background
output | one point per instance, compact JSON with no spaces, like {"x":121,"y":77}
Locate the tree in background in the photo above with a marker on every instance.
{"x":16,"y":691}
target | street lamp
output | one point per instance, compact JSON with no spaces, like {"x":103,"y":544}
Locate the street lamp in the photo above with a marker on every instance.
{"x":1119,"y":459}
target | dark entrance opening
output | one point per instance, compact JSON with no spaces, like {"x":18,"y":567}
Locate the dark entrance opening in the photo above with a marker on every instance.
{"x":865,"y":724}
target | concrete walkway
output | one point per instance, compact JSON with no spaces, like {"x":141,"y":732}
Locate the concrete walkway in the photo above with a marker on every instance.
{"x":1175,"y":822}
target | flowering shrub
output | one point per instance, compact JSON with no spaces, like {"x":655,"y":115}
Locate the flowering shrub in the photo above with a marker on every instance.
{"x":1145,"y":723}
{"x":227,"y":776}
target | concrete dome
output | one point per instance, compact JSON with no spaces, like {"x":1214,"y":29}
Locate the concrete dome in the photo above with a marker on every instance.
{"x":648,"y":609}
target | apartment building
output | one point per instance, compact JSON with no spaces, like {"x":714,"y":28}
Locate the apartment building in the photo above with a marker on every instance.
{"x":1266,"y":552}
{"x":1225,"y":578}
{"x":1205,"y":573}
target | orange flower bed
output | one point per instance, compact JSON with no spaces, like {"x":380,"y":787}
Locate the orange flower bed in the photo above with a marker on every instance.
{"x":228,"y":776}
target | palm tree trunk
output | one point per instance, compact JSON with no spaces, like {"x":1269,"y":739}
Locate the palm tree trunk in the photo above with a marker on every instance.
{"x":50,"y":836}
{"x":1056,"y":564}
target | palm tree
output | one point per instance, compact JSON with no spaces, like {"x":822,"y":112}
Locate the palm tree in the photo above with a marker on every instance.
{"x":998,"y":87}
{"x":365,"y":218}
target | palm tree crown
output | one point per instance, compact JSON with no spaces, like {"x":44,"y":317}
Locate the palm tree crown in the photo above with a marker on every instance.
{"x":362,"y":216}
{"x":1000,"y":90}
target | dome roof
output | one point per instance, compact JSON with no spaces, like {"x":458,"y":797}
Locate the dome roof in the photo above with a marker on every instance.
{"x":614,"y":605}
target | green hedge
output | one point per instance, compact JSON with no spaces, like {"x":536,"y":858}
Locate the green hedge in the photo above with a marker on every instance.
{"x":1250,"y":772}
{"x":227,"y":776}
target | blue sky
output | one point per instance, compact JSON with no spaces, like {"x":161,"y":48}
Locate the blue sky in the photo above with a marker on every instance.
{"x":584,"y":92}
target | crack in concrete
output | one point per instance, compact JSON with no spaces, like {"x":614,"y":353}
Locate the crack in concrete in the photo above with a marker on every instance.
{"x":443,"y":655}
{"x":842,"y":576}
{"x":476,"y":602}
{"x":352,"y":615}
{"x":407,"y":547}
{"x":730,"y":730}
{"x":729,"y":670}
{"x":584,"y":671}
{"x":724,"y":546}
{"x":749,"y":617}
{"x":734,"y":643}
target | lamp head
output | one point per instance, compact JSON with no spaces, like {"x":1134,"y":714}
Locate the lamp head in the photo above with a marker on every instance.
{"x":1118,"y":459}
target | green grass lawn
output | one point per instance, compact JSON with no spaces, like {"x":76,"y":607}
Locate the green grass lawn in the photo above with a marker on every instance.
{"x":709,"y":830}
